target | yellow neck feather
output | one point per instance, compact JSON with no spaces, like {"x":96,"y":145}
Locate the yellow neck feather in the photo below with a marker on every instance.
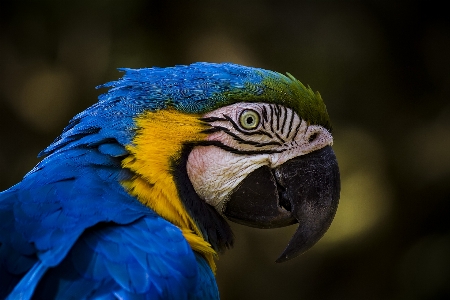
{"x":157,"y":144}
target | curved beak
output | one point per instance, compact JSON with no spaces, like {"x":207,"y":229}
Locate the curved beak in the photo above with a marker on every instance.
{"x":303,"y":190}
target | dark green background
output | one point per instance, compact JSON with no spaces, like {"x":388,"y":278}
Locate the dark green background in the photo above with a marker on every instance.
{"x":382,"y":67}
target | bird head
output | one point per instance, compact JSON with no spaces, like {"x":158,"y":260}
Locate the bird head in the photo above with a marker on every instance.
{"x":207,"y":143}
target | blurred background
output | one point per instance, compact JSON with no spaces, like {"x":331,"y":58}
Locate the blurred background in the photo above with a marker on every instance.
{"x":382,"y":67}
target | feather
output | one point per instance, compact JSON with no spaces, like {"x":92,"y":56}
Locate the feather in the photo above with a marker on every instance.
{"x":72,"y":228}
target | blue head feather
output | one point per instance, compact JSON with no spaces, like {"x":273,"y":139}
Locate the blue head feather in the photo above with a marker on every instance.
{"x":197,"y":88}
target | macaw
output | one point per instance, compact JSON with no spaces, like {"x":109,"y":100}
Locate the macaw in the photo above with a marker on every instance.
{"x":132,"y":200}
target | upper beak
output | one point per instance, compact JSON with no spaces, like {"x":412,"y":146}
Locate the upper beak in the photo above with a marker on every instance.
{"x":304,"y":189}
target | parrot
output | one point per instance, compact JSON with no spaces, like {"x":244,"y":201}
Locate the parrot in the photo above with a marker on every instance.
{"x":133,"y":200}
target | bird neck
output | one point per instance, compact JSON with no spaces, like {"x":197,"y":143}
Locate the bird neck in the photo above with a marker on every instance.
{"x":158,"y":142}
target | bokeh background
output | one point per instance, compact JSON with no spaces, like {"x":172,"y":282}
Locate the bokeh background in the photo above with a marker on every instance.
{"x":382,"y":67}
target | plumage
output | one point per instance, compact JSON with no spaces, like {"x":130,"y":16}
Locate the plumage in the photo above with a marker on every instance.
{"x":112,"y":210}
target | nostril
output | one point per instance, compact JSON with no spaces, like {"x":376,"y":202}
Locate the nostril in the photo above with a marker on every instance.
{"x":313,"y":136}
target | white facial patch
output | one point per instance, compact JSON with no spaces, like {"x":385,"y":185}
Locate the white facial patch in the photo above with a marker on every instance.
{"x":215,"y":172}
{"x":244,"y":137}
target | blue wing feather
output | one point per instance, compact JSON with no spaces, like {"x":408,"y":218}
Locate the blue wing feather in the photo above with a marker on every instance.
{"x":102,"y":256}
{"x":94,"y":237}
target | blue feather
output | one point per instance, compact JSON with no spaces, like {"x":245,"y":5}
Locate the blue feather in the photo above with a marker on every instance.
{"x":70,"y":230}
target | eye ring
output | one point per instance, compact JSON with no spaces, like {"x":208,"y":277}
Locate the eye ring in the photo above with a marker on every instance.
{"x":249,"y":119}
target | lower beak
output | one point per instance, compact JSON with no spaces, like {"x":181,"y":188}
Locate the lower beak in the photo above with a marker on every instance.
{"x":304,"y":189}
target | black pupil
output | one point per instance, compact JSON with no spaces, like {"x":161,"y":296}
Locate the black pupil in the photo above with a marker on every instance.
{"x":249,"y":120}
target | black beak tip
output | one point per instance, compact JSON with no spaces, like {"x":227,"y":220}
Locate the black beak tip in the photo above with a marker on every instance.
{"x":313,"y":180}
{"x":283,"y":257}
{"x":302,"y":242}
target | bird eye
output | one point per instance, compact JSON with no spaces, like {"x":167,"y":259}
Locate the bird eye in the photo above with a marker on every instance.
{"x":249,"y":119}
